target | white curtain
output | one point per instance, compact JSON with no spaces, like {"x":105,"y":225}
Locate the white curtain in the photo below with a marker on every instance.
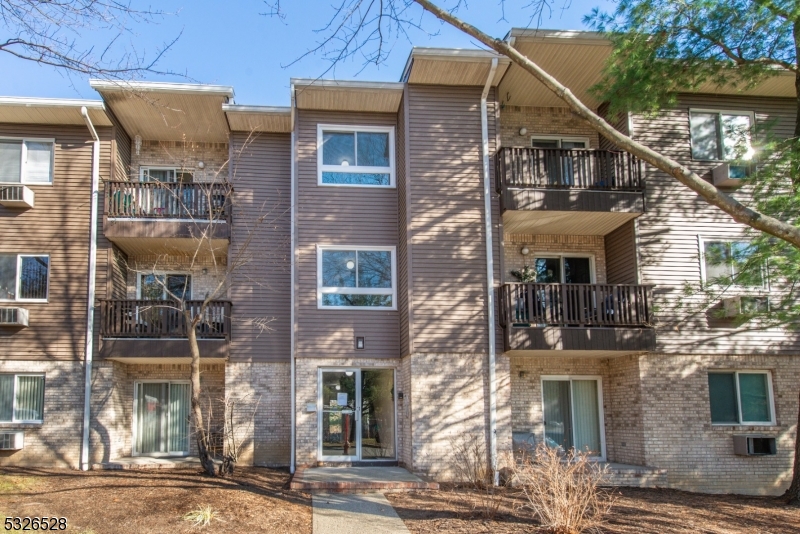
{"x":38,"y":167}
{"x":6,"y":397}
{"x":10,"y":161}
{"x":586,"y":424}
{"x":179,"y":401}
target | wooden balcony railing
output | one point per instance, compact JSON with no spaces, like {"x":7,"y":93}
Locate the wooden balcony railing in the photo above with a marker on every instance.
{"x":160,"y":200}
{"x":609,"y":305}
{"x":161,"y":319}
{"x":567,"y":168}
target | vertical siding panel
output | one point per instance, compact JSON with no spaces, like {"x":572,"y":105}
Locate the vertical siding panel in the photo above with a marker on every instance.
{"x":620,"y":248}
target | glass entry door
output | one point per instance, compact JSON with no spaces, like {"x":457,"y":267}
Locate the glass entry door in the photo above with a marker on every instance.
{"x":357,"y":415}
{"x":161,"y":419}
{"x":573,"y":415}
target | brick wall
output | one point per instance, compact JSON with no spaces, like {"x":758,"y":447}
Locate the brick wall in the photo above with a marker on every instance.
{"x":57,"y":441}
{"x":202,"y":283}
{"x":184,"y":156}
{"x":543,"y":244}
{"x":546,"y":121}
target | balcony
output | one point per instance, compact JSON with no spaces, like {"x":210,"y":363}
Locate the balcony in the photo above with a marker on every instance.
{"x":577,"y":319}
{"x":166,"y":218}
{"x":146,"y":329}
{"x":562,"y":191}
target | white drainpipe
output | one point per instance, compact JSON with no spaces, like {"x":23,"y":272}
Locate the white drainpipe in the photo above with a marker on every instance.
{"x":293,"y":446}
{"x":487,"y":186}
{"x":89,"y":347}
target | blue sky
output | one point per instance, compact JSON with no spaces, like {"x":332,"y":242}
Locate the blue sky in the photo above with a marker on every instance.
{"x":232,"y":43}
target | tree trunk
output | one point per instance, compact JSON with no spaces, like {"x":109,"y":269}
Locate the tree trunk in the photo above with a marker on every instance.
{"x":197,"y":411}
{"x":792,"y":494}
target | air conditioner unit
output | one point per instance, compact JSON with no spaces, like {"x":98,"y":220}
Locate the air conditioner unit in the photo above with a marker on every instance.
{"x":16,"y":196}
{"x":744,"y":305}
{"x":13,"y":317}
{"x":753,"y":445}
{"x":727,"y":175}
{"x":11,"y":441}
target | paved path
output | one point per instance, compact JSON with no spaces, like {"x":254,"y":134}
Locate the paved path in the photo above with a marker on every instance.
{"x":355,"y":513}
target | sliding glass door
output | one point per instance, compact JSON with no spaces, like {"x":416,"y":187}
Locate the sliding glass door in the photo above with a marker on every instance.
{"x":161,"y":418}
{"x":573,"y":418}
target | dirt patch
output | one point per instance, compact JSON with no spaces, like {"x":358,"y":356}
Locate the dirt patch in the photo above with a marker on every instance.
{"x":254,"y":500}
{"x":657,"y":511}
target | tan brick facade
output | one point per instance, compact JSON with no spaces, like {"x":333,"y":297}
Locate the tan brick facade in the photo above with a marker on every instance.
{"x":206,"y":275}
{"x":183,"y":156}
{"x":544,"y":121}
{"x":552,"y":244}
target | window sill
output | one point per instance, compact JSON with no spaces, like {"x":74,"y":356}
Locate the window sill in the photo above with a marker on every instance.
{"x":769,"y":427}
{"x":28,"y":184}
{"x":19,"y":426}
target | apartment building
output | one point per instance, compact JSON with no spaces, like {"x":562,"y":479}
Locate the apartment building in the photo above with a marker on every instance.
{"x":361,"y":246}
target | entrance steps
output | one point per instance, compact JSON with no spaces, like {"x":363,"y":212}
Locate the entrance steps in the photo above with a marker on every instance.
{"x":358,"y":479}
{"x":147,"y":462}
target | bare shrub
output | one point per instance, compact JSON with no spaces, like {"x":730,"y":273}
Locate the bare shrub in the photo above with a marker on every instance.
{"x":563,"y":489}
{"x":469,"y":461}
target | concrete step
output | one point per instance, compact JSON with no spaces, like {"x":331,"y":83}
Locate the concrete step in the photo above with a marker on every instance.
{"x":358,"y":479}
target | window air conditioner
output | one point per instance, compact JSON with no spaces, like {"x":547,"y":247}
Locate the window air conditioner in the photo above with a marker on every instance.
{"x":11,"y":441}
{"x":13,"y":317}
{"x":727,"y":175}
{"x":752,"y":445}
{"x":16,"y":196}
{"x":742,"y":305}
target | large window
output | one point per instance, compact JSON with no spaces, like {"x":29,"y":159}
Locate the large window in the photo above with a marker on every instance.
{"x":573,"y":413}
{"x":161,"y":286}
{"x":741,"y":398}
{"x":356,"y":277}
{"x":356,"y":156}
{"x":722,"y":136}
{"x":564,"y":269}
{"x":552,"y":141}
{"x":23,"y":277}
{"x":21,"y":398}
{"x":722,"y":263}
{"x":26,"y":161}
{"x":164,"y":175}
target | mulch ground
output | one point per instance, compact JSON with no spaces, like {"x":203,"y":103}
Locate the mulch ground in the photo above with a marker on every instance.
{"x":635,"y":510}
{"x":112,"y":502}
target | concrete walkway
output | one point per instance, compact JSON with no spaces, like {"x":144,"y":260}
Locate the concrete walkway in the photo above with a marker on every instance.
{"x":358,"y":479}
{"x":355,"y":513}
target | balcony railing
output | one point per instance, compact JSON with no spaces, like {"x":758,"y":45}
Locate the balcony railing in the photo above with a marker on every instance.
{"x":606,"y":305}
{"x":160,"y":200}
{"x":161,"y":319}
{"x":567,"y":168}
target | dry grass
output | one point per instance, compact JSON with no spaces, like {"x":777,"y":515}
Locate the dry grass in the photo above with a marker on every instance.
{"x":470,"y":463}
{"x":202,"y":516}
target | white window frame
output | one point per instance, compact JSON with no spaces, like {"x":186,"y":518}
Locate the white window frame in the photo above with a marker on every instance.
{"x":562,"y":255}
{"x":356,"y":169}
{"x":357,"y":290}
{"x":720,"y":136}
{"x":14,"y":420}
{"x":19,"y":267}
{"x":164,"y":274}
{"x":701,"y":244}
{"x":24,"y":156}
{"x":144,"y":168}
{"x":770,"y":393}
{"x":600,"y":412}
{"x":561,"y":139}
{"x":134,"y":431}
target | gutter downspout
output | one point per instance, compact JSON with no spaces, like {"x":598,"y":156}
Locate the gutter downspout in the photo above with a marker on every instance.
{"x":487,"y":189}
{"x":89,"y":347}
{"x":293,"y":446}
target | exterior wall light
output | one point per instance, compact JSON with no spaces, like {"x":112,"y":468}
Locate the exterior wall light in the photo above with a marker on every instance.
{"x":524,"y":250}
{"x":361,"y":343}
{"x":523,"y":131}
{"x":138,"y":142}
{"x":201,"y":165}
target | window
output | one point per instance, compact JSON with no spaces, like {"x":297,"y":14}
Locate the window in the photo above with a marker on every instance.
{"x":722,"y":136}
{"x":741,"y":398}
{"x":23,"y":277}
{"x":164,"y":175}
{"x":549,"y":141}
{"x":721,"y":263}
{"x":21,"y":398}
{"x":26,"y":161}
{"x":155,"y":286}
{"x":564,"y":269}
{"x":573,"y":413}
{"x":356,"y":277}
{"x":356,"y":156}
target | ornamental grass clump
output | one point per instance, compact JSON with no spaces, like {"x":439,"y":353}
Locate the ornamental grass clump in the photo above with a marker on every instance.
{"x":563,"y":490}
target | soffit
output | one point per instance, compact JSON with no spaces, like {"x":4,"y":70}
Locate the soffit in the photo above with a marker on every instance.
{"x":602,"y":354}
{"x":152,"y":360}
{"x":434,"y":66}
{"x":153,"y":246}
{"x":564,"y":222}
{"x":332,"y":95}
{"x":16,"y":110}
{"x":169,"y":112}
{"x":258,"y":118}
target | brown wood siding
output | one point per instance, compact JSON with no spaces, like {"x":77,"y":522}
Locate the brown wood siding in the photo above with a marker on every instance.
{"x":59,"y":226}
{"x":402,"y":237}
{"x":340,"y":216}
{"x":619,"y":122}
{"x":446,"y":208}
{"x":122,"y":152}
{"x":668,"y":232}
{"x":118,"y":274}
{"x":261,"y":288}
{"x":620,"y":246}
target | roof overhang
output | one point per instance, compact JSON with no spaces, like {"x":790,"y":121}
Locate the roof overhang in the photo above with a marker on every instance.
{"x":453,"y":66}
{"x":334,"y":95}
{"x":168,"y":111}
{"x":577,"y":58}
{"x":21,"y":110}
{"x":258,"y":118}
